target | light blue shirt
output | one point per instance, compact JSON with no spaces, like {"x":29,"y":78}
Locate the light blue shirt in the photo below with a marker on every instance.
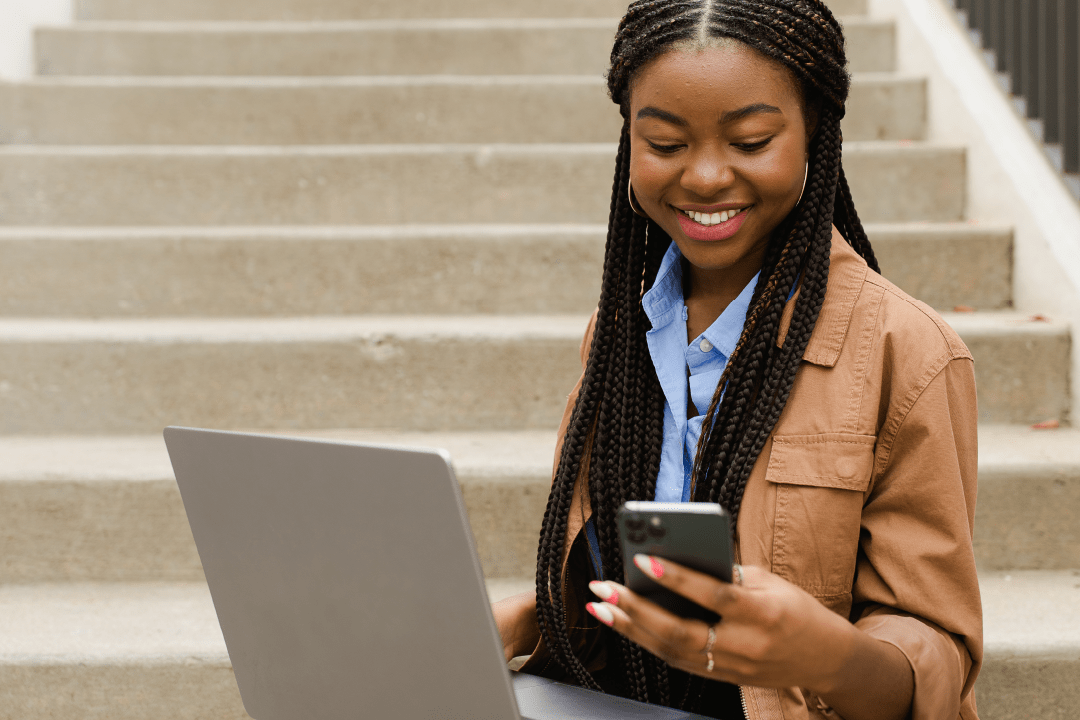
{"x":705,"y":357}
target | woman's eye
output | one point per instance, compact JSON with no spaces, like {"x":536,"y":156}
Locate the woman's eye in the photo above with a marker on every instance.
{"x":751,"y":147}
{"x":666,"y":149}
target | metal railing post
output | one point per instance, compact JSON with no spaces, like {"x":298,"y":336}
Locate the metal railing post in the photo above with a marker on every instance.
{"x":1048,"y":71}
{"x":1030,"y":30}
{"x":1036,"y":45}
{"x":1069,"y":83}
{"x":1014,"y":54}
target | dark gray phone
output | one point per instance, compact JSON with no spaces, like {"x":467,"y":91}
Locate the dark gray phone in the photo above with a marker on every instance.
{"x":697,"y":535}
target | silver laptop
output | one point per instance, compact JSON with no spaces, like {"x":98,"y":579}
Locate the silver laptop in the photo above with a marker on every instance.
{"x":347,"y":585}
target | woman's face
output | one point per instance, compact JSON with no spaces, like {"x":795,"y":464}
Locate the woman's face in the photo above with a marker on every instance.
{"x":718,"y":152}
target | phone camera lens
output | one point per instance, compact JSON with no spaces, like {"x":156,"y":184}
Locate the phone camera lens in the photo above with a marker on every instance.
{"x":635,"y":523}
{"x":657,"y":532}
{"x":637,"y":536}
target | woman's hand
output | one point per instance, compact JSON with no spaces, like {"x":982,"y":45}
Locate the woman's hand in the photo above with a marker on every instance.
{"x":515,"y":617}
{"x":772,"y":634}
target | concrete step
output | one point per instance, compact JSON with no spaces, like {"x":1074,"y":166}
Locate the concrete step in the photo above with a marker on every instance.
{"x":452,"y":269}
{"x":947,"y":265}
{"x":404,"y":372}
{"x":119,"y":652}
{"x":264,"y":271}
{"x":373,"y":109}
{"x":1032,"y":634}
{"x":100,"y":508}
{"x":409,"y":372}
{"x":125,"y":651}
{"x":352,"y":10}
{"x":373,"y":47}
{"x":292,"y":10}
{"x":1028,"y":514}
{"x":1021,"y":365}
{"x":385,"y":184}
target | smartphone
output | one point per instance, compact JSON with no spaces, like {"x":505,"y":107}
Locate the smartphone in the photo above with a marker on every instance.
{"x":697,"y":535}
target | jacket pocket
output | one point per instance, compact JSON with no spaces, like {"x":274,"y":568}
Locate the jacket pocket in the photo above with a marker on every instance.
{"x":821,"y":484}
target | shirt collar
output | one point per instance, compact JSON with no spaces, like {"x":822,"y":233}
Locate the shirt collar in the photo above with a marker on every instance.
{"x":847,"y":272}
{"x":665,"y":298}
{"x":725,"y":331}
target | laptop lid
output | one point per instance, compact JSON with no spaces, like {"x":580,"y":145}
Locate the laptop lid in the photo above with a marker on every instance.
{"x":344,"y":576}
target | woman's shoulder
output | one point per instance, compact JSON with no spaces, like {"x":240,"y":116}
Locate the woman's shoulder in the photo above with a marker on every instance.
{"x":896,"y":319}
{"x":913,"y":322}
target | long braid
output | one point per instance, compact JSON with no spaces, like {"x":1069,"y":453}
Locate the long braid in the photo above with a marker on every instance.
{"x":616,"y":429}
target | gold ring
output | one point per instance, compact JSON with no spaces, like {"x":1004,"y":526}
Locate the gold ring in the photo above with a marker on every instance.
{"x":708,"y":648}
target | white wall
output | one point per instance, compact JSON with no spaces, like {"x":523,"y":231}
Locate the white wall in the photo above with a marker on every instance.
{"x":1009,"y":178}
{"x":17,"y":21}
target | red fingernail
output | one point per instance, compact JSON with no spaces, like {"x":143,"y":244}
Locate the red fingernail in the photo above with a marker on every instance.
{"x":601,"y":613}
{"x":649,"y":565}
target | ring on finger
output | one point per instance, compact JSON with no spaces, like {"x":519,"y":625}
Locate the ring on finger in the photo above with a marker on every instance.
{"x":708,"y":648}
{"x":736,"y":571}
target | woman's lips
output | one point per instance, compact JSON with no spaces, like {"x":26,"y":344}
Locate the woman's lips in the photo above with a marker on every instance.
{"x":696,"y":231}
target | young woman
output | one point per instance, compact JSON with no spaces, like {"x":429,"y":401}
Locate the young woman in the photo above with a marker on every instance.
{"x":745,"y":351}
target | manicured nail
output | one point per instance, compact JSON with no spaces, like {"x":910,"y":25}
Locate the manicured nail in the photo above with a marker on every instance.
{"x":601,"y":613}
{"x":604,"y":591}
{"x":649,"y":565}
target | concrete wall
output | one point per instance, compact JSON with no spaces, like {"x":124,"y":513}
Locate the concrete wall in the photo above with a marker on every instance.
{"x":1009,"y":178}
{"x":17,"y":21}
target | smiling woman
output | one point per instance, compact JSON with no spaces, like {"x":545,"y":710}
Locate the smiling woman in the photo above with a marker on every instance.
{"x":746,"y":351}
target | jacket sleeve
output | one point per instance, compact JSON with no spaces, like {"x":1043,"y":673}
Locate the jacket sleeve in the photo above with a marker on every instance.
{"x":916,"y":586}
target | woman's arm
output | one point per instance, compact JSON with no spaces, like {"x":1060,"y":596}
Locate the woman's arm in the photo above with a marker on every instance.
{"x":515,"y":617}
{"x":773,"y":634}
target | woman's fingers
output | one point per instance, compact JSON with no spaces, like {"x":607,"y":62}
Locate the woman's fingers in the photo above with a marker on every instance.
{"x":738,"y":641}
{"x":661,"y":632}
{"x":683,"y":648}
{"x":668,"y":637}
{"x":706,"y":591}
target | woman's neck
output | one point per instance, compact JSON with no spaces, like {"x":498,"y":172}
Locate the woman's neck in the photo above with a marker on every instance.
{"x":707,"y":292}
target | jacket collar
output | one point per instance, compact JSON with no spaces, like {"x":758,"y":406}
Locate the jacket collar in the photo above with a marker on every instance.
{"x":847,"y":272}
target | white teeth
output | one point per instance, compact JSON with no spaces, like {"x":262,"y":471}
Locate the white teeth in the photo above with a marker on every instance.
{"x":713,"y":219}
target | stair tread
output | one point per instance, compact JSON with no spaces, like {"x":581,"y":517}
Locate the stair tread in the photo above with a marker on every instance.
{"x":291,"y":329}
{"x":485,"y":230}
{"x":874,"y":147}
{"x":312,"y":328}
{"x":378,"y":24}
{"x":515,"y":453}
{"x":1005,"y":322}
{"x":1019,"y":447}
{"x":287,"y":82}
{"x":1027,"y":614}
{"x":144,"y":457}
{"x":125,"y":623}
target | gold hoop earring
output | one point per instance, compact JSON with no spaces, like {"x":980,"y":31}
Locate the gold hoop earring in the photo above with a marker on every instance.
{"x":806,"y":176}
{"x":630,"y":197}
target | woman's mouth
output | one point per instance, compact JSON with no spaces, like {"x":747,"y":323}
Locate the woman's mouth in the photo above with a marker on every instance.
{"x":711,"y":226}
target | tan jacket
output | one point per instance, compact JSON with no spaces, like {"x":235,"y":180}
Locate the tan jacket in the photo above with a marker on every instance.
{"x":864,"y":494}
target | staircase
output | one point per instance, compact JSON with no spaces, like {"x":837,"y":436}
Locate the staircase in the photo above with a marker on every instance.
{"x":385,"y":221}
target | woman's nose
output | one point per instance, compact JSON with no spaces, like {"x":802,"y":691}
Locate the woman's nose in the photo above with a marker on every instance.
{"x":706,"y":174}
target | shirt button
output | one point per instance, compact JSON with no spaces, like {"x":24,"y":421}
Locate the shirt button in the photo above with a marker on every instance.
{"x":705,"y":345}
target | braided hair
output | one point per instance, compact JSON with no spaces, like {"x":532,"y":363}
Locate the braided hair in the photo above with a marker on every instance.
{"x":616,"y":429}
